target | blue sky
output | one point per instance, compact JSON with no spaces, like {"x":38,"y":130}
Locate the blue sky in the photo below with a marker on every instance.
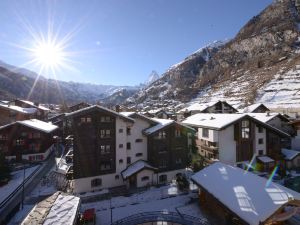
{"x":119,"y":42}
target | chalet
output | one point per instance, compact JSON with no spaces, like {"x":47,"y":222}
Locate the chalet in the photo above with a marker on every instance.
{"x":236,"y":138}
{"x":159,"y":113}
{"x":292,"y":158}
{"x":30,"y":140}
{"x":296,"y":137}
{"x":59,"y":209}
{"x":58,"y":120}
{"x":256,"y":108}
{"x":209,"y":107}
{"x":12,"y":113}
{"x":42,"y":112}
{"x":237,"y":197}
{"x":113,"y":149}
{"x":78,"y":106}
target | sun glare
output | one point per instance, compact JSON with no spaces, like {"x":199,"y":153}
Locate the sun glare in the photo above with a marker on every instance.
{"x":48,"y":54}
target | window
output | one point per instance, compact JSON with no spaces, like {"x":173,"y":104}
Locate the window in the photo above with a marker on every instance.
{"x":260,"y":141}
{"x":139,"y":154}
{"x":177,"y":133}
{"x":3,"y":137}
{"x":96,"y":182}
{"x":162,"y":178}
{"x":105,"y":166}
{"x":162,"y":164}
{"x":128,"y":130}
{"x":260,"y":129}
{"x":128,"y":160}
{"x":145,"y":178}
{"x":205,"y":132}
{"x":120,"y":161}
{"x":105,"y":119}
{"x":128,"y":146}
{"x":86,"y":119}
{"x":117,"y":177}
{"x":260,"y":152}
{"x":138,"y":140}
{"x":161,"y":135}
{"x":178,"y":161}
{"x":19,"y":142}
{"x":245,"y":129}
{"x":120,"y":145}
{"x":120,"y":130}
{"x":105,"y":133}
{"x":105,"y":149}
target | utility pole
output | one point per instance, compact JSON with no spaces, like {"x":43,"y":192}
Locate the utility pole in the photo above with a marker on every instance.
{"x":23,"y":186}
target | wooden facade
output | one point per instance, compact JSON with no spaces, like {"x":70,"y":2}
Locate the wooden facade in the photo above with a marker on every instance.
{"x":168,"y":148}
{"x":8,"y":115}
{"x":92,"y":130}
{"x":42,"y":114}
{"x":17,"y":140}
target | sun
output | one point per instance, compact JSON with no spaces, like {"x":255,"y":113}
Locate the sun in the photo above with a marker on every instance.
{"x":48,"y":54}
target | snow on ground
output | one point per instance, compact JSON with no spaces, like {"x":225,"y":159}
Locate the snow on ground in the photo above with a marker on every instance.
{"x":166,"y":198}
{"x":16,"y":180}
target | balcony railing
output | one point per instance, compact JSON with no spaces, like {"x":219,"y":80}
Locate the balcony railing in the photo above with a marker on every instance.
{"x":207,"y":147}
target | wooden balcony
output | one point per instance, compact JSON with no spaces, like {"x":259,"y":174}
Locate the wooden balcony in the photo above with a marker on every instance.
{"x":211,"y":148}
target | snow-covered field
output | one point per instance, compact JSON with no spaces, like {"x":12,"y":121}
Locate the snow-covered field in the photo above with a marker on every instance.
{"x":167,"y":198}
{"x":16,"y":180}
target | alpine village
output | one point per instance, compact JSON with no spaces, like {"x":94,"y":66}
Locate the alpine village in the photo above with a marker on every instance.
{"x":214,"y":140}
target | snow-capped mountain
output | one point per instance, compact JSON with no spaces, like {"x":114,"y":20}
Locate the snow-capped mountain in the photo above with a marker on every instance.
{"x":260,"y":64}
{"x":153,"y":76}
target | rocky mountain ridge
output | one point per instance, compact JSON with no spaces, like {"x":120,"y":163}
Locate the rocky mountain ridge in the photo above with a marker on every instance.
{"x":241,"y":70}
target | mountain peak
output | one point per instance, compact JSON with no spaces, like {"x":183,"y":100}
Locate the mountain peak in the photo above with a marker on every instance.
{"x":153,"y":76}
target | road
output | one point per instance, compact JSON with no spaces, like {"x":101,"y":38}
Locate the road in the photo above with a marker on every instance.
{"x":12,"y":206}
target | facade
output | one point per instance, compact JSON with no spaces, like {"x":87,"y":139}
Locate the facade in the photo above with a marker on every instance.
{"x":42,"y":112}
{"x":236,"y":138}
{"x":11,"y":113}
{"x":296,"y":137}
{"x":108,"y":145}
{"x":236,"y":197}
{"x":292,"y":158}
{"x":30,"y":140}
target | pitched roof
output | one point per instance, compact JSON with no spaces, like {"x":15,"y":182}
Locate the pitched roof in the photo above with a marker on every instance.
{"x":141,"y":116}
{"x":135,"y":168}
{"x":198,"y":107}
{"x":290,"y":154}
{"x":251,"y":108}
{"x":249,"y":196}
{"x":35,"y":124}
{"x":219,"y":121}
{"x":212,"y":120}
{"x":100,"y":108}
{"x":33,"y":105}
{"x":266,"y":117}
{"x":57,"y":209}
{"x":19,"y":109}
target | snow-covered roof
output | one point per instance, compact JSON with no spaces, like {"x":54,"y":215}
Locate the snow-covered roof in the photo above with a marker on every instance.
{"x":19,"y":109}
{"x":251,"y":108}
{"x":39,"y":125}
{"x":290,"y":154}
{"x":35,"y":106}
{"x":264,"y":117}
{"x":249,"y":196}
{"x":58,"y":209}
{"x":98,"y":107}
{"x":135,"y":168}
{"x":161,"y":124}
{"x":197,"y":107}
{"x":265,"y":159}
{"x":212,"y":120}
{"x":128,"y":114}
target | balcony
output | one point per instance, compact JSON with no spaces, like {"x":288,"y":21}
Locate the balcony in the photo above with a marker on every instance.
{"x":208,"y":146}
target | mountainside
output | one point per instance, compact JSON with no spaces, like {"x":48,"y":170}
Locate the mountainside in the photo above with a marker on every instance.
{"x":175,"y":83}
{"x":20,"y":83}
{"x":258,"y":65}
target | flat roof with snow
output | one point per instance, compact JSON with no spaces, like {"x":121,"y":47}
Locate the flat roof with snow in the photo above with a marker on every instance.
{"x":247,"y":195}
